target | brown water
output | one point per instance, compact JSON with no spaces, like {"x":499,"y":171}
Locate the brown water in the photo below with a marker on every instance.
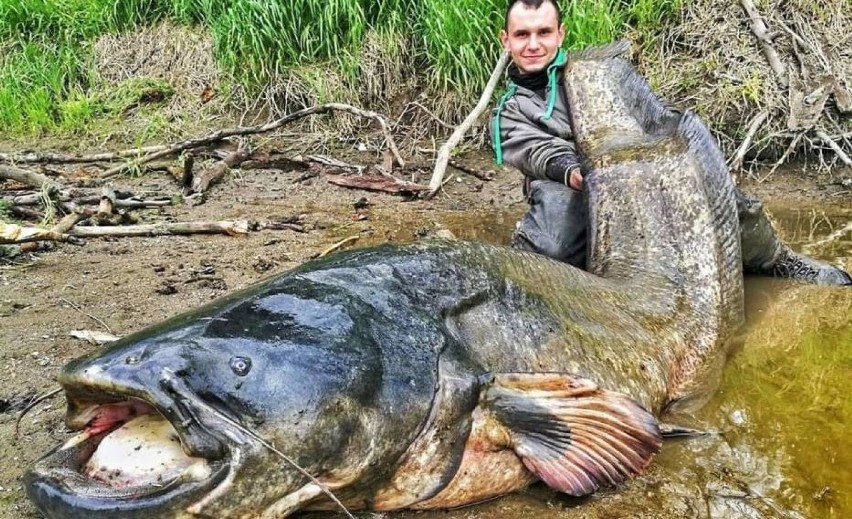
{"x":783,"y":413}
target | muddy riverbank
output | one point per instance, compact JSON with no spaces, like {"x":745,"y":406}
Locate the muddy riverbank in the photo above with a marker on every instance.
{"x":122,"y":285}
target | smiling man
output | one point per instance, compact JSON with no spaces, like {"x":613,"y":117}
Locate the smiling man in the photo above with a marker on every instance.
{"x":531,"y":131}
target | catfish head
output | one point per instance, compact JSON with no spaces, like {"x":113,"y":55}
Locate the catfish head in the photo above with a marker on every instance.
{"x":253,"y":406}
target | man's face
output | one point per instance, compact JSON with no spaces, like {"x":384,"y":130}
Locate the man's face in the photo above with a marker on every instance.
{"x":533,"y":36}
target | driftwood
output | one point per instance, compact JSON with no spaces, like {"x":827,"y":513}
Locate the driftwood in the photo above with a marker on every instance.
{"x":59,"y":158}
{"x":29,"y":178}
{"x":252,"y":130}
{"x":81,"y":198}
{"x":444,"y":153}
{"x":160,"y":229}
{"x":14,"y":234}
{"x":204,"y":179}
{"x":382,"y":183}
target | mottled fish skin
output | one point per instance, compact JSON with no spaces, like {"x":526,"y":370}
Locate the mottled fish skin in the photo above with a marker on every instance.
{"x":374,"y":369}
{"x":663,"y":206}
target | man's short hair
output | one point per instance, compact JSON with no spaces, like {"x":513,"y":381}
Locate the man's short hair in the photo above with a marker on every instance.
{"x":532,"y":4}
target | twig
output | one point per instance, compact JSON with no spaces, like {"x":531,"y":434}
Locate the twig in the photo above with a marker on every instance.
{"x":251,"y":130}
{"x":90,"y":316}
{"x":790,"y":148}
{"x":429,"y":113}
{"x":444,"y":153}
{"x":342,"y":243}
{"x":29,"y":408}
{"x":737,"y":162}
{"x":810,"y":248}
{"x":481,"y":175}
{"x":833,"y":145}
{"x":161,"y":229}
{"x":758,"y":27}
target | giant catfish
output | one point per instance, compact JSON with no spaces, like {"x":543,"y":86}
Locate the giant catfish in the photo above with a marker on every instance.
{"x":434,"y":374}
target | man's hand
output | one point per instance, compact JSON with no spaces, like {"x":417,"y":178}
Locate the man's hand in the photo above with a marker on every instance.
{"x":574,"y":179}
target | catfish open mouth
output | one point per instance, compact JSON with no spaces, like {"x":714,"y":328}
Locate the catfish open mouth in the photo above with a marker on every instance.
{"x":127,"y":456}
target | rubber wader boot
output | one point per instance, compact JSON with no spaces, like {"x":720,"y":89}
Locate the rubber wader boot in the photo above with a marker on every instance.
{"x":765,"y":253}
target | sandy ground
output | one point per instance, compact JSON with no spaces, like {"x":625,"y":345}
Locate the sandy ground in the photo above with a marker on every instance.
{"x":122,"y":285}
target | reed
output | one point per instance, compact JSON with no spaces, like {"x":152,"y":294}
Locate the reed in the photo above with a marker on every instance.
{"x":450,"y":45}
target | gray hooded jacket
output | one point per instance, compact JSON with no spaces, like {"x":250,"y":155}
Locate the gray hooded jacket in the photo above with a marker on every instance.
{"x":533,"y":132}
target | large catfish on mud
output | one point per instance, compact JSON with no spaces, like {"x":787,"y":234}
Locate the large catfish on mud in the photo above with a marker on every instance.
{"x":434,"y":374}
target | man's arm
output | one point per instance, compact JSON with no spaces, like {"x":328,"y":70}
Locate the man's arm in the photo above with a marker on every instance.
{"x":535,"y":152}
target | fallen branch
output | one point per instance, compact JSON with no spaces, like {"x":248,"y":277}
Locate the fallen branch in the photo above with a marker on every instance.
{"x":737,"y":162}
{"x":382,"y":183}
{"x":14,"y":234}
{"x":66,"y":196}
{"x":251,"y":130}
{"x":59,"y":158}
{"x":444,"y":153}
{"x":29,"y":178}
{"x":204,"y":179}
{"x":758,"y":27}
{"x":834,"y":146}
{"x":160,"y":229}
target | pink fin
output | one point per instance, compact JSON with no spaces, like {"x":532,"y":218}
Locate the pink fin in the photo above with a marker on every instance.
{"x":573,"y":435}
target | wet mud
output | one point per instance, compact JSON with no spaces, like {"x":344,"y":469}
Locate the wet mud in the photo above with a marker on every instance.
{"x":779,"y":422}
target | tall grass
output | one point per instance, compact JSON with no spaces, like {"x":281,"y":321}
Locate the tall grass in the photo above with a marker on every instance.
{"x":451,"y":44}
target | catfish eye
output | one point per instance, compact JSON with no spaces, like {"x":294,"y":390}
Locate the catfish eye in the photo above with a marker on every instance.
{"x":240,"y":365}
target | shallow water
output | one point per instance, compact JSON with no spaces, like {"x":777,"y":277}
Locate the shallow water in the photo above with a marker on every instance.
{"x":782,"y":414}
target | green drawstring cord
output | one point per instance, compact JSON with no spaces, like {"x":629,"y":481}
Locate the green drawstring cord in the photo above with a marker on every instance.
{"x":498,"y":145}
{"x":560,"y":60}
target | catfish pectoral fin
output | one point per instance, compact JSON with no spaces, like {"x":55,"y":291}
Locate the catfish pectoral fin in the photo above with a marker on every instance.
{"x":575,"y":436}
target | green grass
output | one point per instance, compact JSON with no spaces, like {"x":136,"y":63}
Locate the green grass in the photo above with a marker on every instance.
{"x":46,"y":71}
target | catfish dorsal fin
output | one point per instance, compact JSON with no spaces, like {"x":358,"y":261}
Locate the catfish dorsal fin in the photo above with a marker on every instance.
{"x":573,"y":435}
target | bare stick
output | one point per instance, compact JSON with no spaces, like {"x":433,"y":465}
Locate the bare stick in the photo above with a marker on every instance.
{"x":758,"y":27}
{"x":737,"y":161}
{"x":342,"y":243}
{"x":161,"y":229}
{"x":382,"y":122}
{"x":59,"y":158}
{"x":29,"y":178}
{"x":790,"y":148}
{"x":481,"y":175}
{"x":251,"y":130}
{"x":834,"y":146}
{"x":444,"y":153}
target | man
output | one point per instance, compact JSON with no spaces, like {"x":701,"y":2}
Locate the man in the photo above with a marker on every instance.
{"x":531,"y":130}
